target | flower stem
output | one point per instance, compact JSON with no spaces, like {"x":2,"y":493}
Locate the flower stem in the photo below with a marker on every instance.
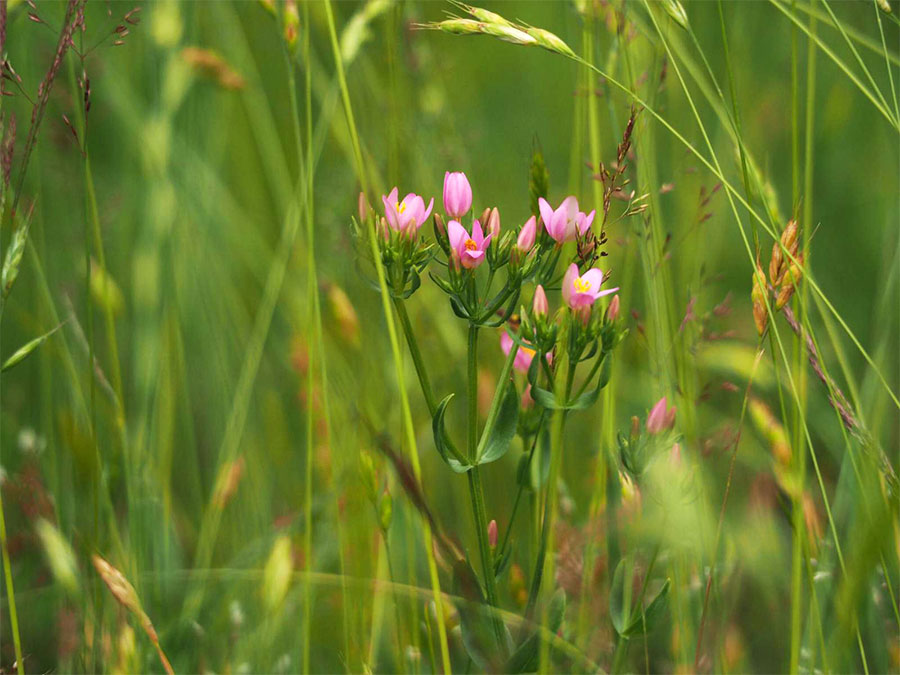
{"x":551,"y":507}
{"x":476,"y":491}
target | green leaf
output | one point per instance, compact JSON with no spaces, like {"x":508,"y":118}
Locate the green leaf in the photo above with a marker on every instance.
{"x":26,"y":349}
{"x":504,"y":427}
{"x":525,"y":658}
{"x":588,"y":398}
{"x":616,"y":596}
{"x":646,"y":620}
{"x":636,"y":619}
{"x":545,"y":398}
{"x":437,"y":427}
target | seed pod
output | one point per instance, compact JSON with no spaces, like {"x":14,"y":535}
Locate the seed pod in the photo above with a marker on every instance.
{"x":758,"y":297}
{"x":385,"y":511}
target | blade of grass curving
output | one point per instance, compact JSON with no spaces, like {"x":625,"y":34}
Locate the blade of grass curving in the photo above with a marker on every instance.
{"x":859,"y":60}
{"x":861,"y":38}
{"x":773,"y":332}
{"x":392,"y":333}
{"x":840,"y":64}
{"x":887,"y":59}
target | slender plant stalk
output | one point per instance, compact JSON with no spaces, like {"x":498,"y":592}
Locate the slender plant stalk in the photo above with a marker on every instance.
{"x":7,"y":570}
{"x":392,"y":334}
{"x":565,"y":372}
{"x":476,"y":490}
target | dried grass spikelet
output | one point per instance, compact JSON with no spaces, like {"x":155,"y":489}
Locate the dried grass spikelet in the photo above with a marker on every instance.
{"x":789,"y":242}
{"x":209,"y":63}
{"x":789,"y":282}
{"x":126,"y":596}
{"x":758,"y":296}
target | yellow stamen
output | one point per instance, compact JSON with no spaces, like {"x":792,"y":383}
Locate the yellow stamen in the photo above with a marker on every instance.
{"x":401,"y":207}
{"x":581,"y":286}
{"x":470,"y":245}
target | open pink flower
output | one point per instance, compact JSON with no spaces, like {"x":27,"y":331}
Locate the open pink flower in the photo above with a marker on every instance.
{"x":407,"y":215}
{"x":469,"y":249}
{"x":566,"y":221}
{"x":523,"y":357}
{"x":583,"y":291}
{"x":457,"y":194}
{"x":660,"y":418}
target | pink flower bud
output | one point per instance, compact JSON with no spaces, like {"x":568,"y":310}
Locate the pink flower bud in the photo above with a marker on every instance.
{"x":493,"y":224}
{"x":539,"y":305}
{"x":612,"y":312}
{"x":492,"y":534}
{"x":660,"y":418}
{"x":675,"y":456}
{"x":457,"y":194}
{"x":364,"y":208}
{"x":526,"y":235}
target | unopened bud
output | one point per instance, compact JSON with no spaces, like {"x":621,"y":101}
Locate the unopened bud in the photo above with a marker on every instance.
{"x":539,"y":306}
{"x":493,"y":223}
{"x":291,"y":23}
{"x":485,"y":216}
{"x":362,"y":204}
{"x":492,"y":533}
{"x":527,"y":235}
{"x":612,"y":312}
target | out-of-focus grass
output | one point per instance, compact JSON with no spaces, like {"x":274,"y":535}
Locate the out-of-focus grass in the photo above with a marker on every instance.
{"x":190,"y":476}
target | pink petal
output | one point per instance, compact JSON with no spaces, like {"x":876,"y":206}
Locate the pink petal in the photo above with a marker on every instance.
{"x":506,"y":342}
{"x":595,"y":278}
{"x":457,"y":235}
{"x":546,"y":213}
{"x":477,"y":234}
{"x":568,"y":281}
{"x":427,"y":211}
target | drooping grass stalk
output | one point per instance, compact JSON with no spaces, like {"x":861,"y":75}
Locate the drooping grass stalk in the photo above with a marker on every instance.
{"x":392,"y":334}
{"x":840,"y":64}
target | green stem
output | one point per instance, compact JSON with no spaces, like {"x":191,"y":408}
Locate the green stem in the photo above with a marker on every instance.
{"x":7,"y":574}
{"x":476,"y":491}
{"x":551,"y":507}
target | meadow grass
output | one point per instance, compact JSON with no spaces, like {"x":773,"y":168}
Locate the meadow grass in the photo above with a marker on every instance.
{"x":236,"y":403}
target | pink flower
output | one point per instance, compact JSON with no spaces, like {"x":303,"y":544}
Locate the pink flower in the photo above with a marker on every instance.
{"x":566,"y":221}
{"x":523,"y":357}
{"x":583,"y":291}
{"x":539,"y":305}
{"x":408,"y":215}
{"x":469,"y":250}
{"x":526,"y":235}
{"x":660,"y":418}
{"x":457,"y":194}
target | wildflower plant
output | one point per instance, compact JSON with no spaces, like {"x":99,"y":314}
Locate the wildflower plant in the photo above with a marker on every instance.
{"x":564,"y":356}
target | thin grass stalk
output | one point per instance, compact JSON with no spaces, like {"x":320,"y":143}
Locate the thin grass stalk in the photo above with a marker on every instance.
{"x":887,"y":60}
{"x":7,"y":570}
{"x":313,"y":319}
{"x":392,"y":333}
{"x":773,"y":332}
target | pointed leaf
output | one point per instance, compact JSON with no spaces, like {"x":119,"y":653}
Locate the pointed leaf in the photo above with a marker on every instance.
{"x":437,"y":427}
{"x":504,"y":427}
